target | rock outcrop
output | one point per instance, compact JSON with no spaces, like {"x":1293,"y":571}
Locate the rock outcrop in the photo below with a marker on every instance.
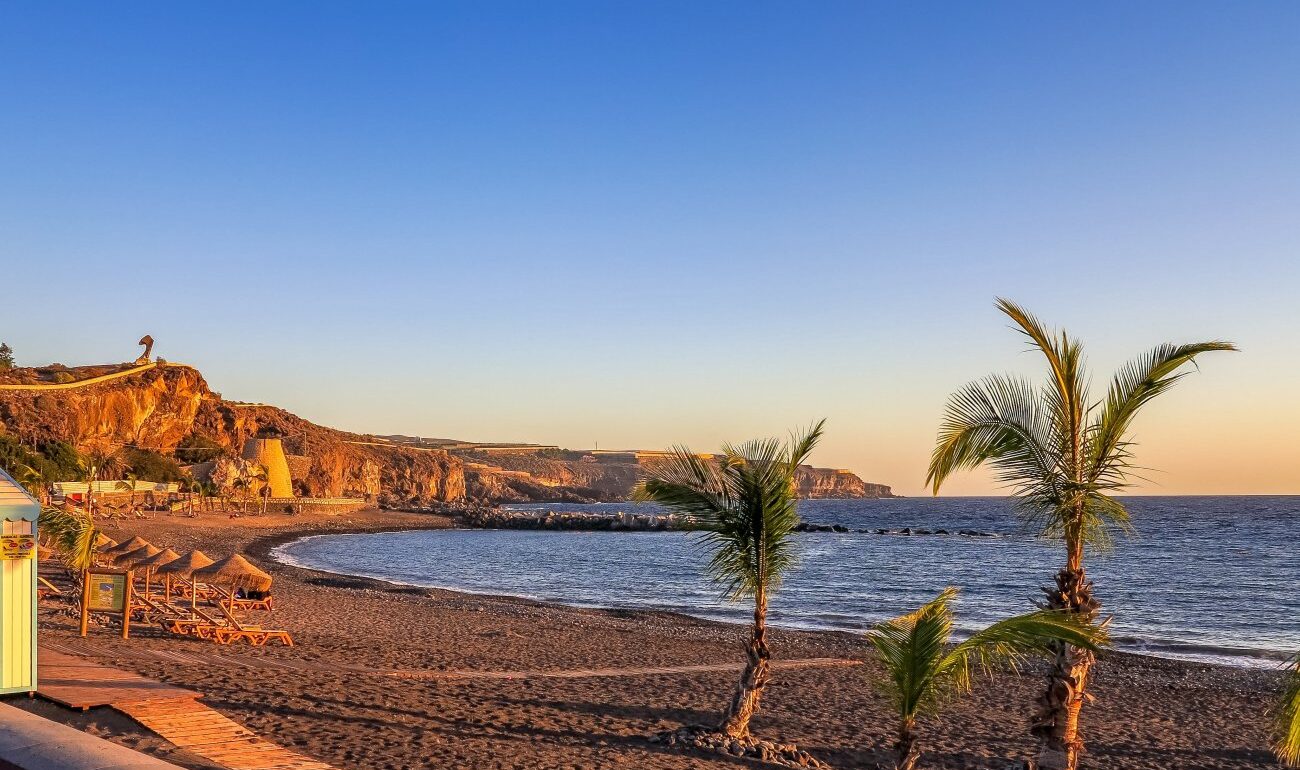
{"x":828,"y":483}
{"x":160,"y":408}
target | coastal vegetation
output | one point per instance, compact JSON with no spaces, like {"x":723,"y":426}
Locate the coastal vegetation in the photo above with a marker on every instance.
{"x":744,"y":503}
{"x":1288,"y":718}
{"x":924,"y":668}
{"x":1064,"y":456}
{"x":72,"y":532}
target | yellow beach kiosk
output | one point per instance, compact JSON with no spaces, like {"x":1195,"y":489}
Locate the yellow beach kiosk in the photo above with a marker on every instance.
{"x":18,"y":513}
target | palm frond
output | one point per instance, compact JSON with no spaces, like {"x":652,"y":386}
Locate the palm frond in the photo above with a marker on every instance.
{"x":1133,"y":387}
{"x":71,"y":533}
{"x":999,"y":420}
{"x":923,"y":670}
{"x":1069,"y":392}
{"x":1009,"y":641}
{"x":1288,"y":718}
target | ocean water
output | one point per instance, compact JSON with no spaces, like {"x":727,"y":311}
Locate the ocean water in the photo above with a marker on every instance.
{"x":1204,"y":578}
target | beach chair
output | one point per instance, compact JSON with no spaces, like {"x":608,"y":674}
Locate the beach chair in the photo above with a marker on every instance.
{"x":233,"y":631}
{"x":260,"y":602}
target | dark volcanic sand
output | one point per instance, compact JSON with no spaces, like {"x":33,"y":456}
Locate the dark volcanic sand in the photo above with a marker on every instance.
{"x":1149,"y":714}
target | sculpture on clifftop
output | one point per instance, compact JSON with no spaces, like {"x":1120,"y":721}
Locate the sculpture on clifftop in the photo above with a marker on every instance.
{"x":147,"y":341}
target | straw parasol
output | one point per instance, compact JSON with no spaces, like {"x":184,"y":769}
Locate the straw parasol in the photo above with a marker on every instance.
{"x":182,"y":568}
{"x":128,"y":546}
{"x":104,"y":542}
{"x":236,"y":572}
{"x":129,"y":559}
{"x":152,"y":563}
{"x":162,"y":558}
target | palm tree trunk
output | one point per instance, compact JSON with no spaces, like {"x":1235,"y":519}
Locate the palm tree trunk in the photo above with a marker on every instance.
{"x":906,"y":746}
{"x":758,"y":667}
{"x":1056,"y":723}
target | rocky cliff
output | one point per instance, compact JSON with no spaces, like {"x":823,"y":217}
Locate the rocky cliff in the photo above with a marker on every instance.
{"x":563,"y":476}
{"x":160,"y":408}
{"x":169,"y":409}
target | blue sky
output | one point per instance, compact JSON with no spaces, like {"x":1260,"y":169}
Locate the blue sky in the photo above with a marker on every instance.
{"x":645,"y":223}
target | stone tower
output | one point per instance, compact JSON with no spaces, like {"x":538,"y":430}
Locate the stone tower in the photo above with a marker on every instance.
{"x":268,"y":453}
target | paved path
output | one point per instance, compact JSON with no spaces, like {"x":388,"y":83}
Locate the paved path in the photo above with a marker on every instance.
{"x":202,"y":658}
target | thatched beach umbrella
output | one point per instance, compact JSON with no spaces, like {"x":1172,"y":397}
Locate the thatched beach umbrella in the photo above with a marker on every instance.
{"x":129,"y":559}
{"x":104,"y":542}
{"x":234,"y":572}
{"x":152,"y":563}
{"x":127,"y":547}
{"x":183,"y":568}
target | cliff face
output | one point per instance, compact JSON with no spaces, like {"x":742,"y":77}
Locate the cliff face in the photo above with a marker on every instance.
{"x":827,"y":483}
{"x":154,"y":410}
{"x":161,"y":408}
{"x":610,"y":478}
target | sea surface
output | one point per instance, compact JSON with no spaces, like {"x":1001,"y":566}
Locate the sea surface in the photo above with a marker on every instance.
{"x":1215,"y":579}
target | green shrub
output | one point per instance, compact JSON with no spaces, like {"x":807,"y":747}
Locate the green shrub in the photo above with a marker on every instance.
{"x":198,"y":448}
{"x":151,"y":466}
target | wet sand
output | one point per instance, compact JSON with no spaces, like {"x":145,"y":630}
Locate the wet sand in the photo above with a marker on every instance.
{"x":1149,"y":714}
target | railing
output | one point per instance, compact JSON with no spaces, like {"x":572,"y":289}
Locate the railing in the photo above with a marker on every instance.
{"x":90,"y":380}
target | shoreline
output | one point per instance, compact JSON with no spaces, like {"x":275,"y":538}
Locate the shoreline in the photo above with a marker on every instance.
{"x":265,"y":548}
{"x":395,"y":678}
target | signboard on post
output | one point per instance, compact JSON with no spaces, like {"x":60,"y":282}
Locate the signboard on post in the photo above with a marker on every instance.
{"x":107,"y":591}
{"x":17,"y":546}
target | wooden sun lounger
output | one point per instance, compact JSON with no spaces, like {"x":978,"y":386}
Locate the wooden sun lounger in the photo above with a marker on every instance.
{"x":254,"y":635}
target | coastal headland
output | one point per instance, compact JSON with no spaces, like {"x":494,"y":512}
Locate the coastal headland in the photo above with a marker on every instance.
{"x":388,"y":677}
{"x":169,"y":409}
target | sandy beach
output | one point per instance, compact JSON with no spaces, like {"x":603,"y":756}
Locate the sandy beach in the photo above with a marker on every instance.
{"x":463,"y":681}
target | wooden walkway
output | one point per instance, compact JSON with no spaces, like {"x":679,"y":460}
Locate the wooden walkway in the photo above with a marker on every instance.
{"x":77,"y":683}
{"x":172,"y":712}
{"x":200,"y":730}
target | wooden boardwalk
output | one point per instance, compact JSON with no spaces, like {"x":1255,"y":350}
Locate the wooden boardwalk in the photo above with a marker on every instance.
{"x":200,"y":730}
{"x":172,"y":712}
{"x":77,"y":683}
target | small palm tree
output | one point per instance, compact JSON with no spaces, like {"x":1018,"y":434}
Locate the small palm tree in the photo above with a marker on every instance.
{"x":127,"y":484}
{"x":31,"y":479}
{"x":923,"y":669}
{"x":744,"y":503}
{"x":1064,"y":456}
{"x":243,"y":485}
{"x":72,"y":533}
{"x":1288,"y":718}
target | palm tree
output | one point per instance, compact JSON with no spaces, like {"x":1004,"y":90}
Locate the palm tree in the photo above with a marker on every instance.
{"x":243,"y":484}
{"x":127,"y":484}
{"x":923,"y":670}
{"x":32,"y":480}
{"x":260,"y":474}
{"x":744,"y":503}
{"x":1064,"y":456}
{"x":1288,"y":718}
{"x":72,"y":533}
{"x":191,"y":486}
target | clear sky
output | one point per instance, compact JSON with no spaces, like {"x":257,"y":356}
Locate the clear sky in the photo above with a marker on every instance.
{"x":646,"y":223}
